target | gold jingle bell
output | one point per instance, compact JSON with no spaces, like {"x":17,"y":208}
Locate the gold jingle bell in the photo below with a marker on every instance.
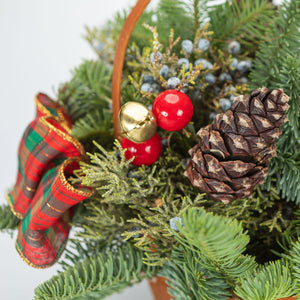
{"x":137,"y":122}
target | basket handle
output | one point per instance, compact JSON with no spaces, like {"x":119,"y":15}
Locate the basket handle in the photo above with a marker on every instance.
{"x":119,"y":59}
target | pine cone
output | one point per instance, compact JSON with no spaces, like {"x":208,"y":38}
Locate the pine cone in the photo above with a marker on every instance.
{"x":234,"y":152}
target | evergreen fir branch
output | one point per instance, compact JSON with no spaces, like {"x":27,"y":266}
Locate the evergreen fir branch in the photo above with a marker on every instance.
{"x":90,"y":123}
{"x":96,"y":75}
{"x":95,"y":126}
{"x":97,"y":276}
{"x":277,"y":66}
{"x":270,"y":282}
{"x":286,"y":166}
{"x":198,"y":11}
{"x":220,"y":240}
{"x":245,"y":21}
{"x":8,"y":221}
{"x":168,"y":14}
{"x":288,"y":78}
{"x":78,"y":250}
{"x":188,"y":279}
{"x":286,"y":170}
{"x":283,"y":42}
{"x":294,"y":259}
{"x":88,"y":90}
{"x":172,"y":14}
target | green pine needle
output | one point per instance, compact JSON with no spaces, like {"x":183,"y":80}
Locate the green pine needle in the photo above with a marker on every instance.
{"x":277,"y":66}
{"x":294,"y":259}
{"x":219,"y":239}
{"x":97,"y":276}
{"x":89,"y":89}
{"x":272,"y":281}
{"x":246,"y":21}
{"x":188,"y":279}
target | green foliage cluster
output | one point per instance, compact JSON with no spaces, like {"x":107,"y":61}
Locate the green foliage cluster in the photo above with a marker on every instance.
{"x":109,"y":177}
{"x":210,"y":261}
{"x":207,"y":262}
{"x":128,"y":200}
{"x":139,"y":204}
{"x":86,"y":99}
{"x":115,"y":192}
{"x":124,"y":232}
{"x":186,"y":266}
{"x":294,"y":260}
{"x":272,"y":281}
{"x":277,"y":65}
{"x":8,"y":221}
{"x":244,"y":21}
{"x":221,"y":240}
{"x":97,"y":276}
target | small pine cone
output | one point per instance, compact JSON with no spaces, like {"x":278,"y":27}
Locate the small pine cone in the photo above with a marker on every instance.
{"x":234,"y":152}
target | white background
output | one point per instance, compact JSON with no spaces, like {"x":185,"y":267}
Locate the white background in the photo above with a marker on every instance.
{"x":40,"y":42}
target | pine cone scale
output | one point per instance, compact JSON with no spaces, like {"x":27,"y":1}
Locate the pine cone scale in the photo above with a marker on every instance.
{"x":271,"y":135}
{"x":241,"y":104}
{"x":218,"y":186}
{"x":257,"y":108}
{"x":200,"y":163}
{"x":270,"y":105}
{"x":245,"y":125}
{"x":216,"y":142}
{"x":237,"y":145}
{"x":237,"y":168}
{"x":214,"y":168}
{"x":262,"y":124}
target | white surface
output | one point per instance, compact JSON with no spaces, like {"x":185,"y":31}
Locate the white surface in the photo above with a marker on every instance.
{"x":41,"y":41}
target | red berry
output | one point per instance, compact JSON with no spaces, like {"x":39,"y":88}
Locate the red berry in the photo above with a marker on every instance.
{"x":145,"y":153}
{"x":173,"y":110}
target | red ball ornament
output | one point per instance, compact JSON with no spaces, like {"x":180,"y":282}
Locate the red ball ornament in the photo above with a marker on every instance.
{"x":145,"y":153}
{"x":173,"y":110}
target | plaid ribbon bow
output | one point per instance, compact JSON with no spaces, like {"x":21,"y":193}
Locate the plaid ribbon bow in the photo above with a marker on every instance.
{"x":42,"y":196}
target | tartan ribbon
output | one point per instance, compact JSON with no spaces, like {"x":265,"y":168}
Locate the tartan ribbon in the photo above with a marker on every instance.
{"x":42,"y":196}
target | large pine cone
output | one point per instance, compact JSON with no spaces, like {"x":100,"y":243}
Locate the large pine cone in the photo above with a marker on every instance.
{"x":234,"y":151}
